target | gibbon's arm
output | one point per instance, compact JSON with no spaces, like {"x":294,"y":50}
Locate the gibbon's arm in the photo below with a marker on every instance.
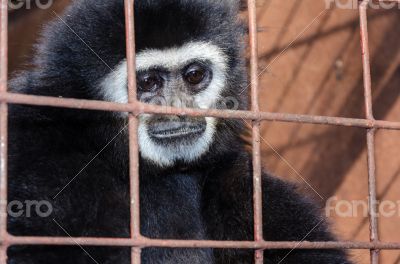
{"x":287,"y":215}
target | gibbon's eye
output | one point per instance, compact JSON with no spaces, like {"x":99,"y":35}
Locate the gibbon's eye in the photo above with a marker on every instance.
{"x":150,"y":81}
{"x":195,"y":74}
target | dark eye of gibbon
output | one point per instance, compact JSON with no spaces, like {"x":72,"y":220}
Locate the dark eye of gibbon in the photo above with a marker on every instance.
{"x":195,"y":74}
{"x":150,"y":82}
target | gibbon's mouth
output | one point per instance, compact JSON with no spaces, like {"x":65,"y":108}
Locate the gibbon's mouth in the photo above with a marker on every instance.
{"x":173,"y":128}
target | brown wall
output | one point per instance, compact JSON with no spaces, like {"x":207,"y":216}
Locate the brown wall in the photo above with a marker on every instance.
{"x":320,"y":73}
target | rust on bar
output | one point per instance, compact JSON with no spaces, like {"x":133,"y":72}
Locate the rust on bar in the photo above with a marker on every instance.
{"x":132,"y":129}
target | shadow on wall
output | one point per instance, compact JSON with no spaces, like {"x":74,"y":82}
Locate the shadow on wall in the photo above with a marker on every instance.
{"x":328,"y":153}
{"x":386,"y":83}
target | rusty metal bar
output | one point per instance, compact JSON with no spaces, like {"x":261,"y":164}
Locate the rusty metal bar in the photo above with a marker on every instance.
{"x":141,"y":108}
{"x":256,"y":141}
{"x":136,"y":254}
{"x":3,"y":126}
{"x":161,"y":243}
{"x":3,"y":177}
{"x":373,"y":212}
{"x":3,"y":45}
{"x":365,"y":60}
{"x":373,"y":216}
{"x":387,"y":1}
{"x":133,"y":129}
{"x":26,"y":99}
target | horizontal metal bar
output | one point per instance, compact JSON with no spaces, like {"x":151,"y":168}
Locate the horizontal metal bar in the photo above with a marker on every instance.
{"x":26,"y":99}
{"x":145,"y":242}
{"x":387,"y":1}
{"x":141,"y":108}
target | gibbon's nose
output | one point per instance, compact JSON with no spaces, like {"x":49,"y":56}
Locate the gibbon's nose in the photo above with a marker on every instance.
{"x":174,"y":127}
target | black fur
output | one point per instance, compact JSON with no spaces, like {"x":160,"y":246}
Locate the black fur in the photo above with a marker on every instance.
{"x":207,"y":199}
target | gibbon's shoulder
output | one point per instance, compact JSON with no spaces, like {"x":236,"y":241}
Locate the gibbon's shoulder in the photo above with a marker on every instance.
{"x":284,"y":206}
{"x":287,"y":211}
{"x":291,"y":216}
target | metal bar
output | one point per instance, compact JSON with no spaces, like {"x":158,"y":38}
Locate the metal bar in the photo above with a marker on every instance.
{"x":136,"y":255}
{"x":26,"y":99}
{"x":161,"y":243}
{"x":374,"y":237}
{"x":365,"y":60}
{"x":373,"y":212}
{"x":3,"y":126}
{"x":3,"y":45}
{"x":256,"y":145}
{"x":141,"y":108}
{"x":3,"y":178}
{"x":387,"y":1}
{"x":133,"y":129}
{"x":382,"y":1}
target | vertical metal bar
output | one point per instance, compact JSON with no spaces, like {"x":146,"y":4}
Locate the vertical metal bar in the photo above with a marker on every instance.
{"x":133,"y":129}
{"x":3,"y":45}
{"x":365,"y":59}
{"x":257,"y":174}
{"x":3,"y":174}
{"x":136,"y":255}
{"x":372,"y":194}
{"x":374,"y":237}
{"x":3,"y":127}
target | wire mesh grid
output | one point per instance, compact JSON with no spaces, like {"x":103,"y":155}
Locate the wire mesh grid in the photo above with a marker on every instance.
{"x":135,"y":108}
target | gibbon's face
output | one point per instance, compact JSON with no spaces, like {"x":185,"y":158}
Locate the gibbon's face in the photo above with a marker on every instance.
{"x":191,"y":75}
